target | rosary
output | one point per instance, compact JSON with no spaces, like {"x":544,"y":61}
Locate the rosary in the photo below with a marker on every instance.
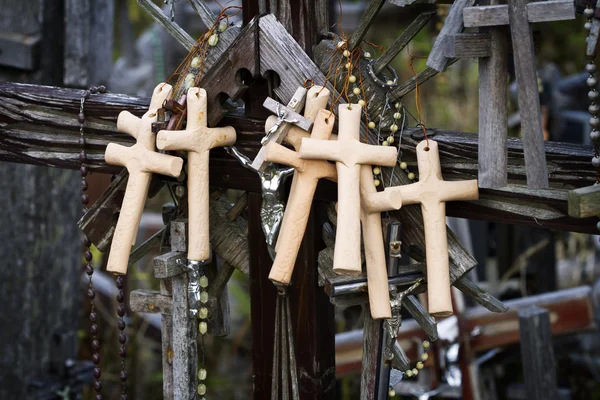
{"x":89,"y":269}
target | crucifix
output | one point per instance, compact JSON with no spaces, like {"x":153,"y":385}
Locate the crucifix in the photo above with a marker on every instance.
{"x":348,"y":153}
{"x":432,"y":192}
{"x":306,"y":177}
{"x":141,"y":160}
{"x":517,"y":14}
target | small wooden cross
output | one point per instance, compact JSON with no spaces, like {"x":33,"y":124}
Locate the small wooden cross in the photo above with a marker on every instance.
{"x":197,"y":139}
{"x":349,"y":153}
{"x":432,"y":192}
{"x":141,"y":160}
{"x":306,"y":177}
{"x":372,"y":204}
{"x":518,"y":14}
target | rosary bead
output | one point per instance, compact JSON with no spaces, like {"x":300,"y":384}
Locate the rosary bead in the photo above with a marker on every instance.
{"x":202,"y":374}
{"x":409,"y":373}
{"x":346,"y":53}
{"x":594,"y":108}
{"x":587,"y":26}
{"x":204,"y":297}
{"x":86,"y":94}
{"x":593,"y":95}
{"x":376,"y":171}
{"x":403,"y":165}
{"x":371,"y":125}
{"x":96,"y":358}
{"x":82,"y":156}
{"x":390,"y":139}
{"x":83,"y":170}
{"x":362,"y":103}
{"x":426,"y":344}
{"x":415,"y":372}
{"x":120,"y":282}
{"x":420,"y":365}
{"x":397,"y":115}
{"x":203,"y":313}
{"x":348,"y":66}
{"x":195,"y":62}
{"x":94,"y":329}
{"x":394,"y":128}
{"x":213,"y":40}
{"x":81,"y":118}
{"x":222,"y":26}
{"x":391,"y":393}
{"x":121,"y":325}
{"x":95,"y":345}
{"x":91,"y":293}
{"x":377,"y":182}
{"x":203,"y":281}
{"x":122,"y":338}
{"x":385,"y":143}
{"x":351,"y":79}
{"x":201,"y":389}
{"x":356,"y":91}
{"x":202,"y":327}
{"x":367,"y":54}
{"x":98,"y":386}
{"x":411,"y":176}
{"x":86,"y":242}
{"x":93,"y":317}
{"x":595,"y":135}
{"x":89,"y":269}
{"x":424,"y":356}
{"x":588,"y":12}
{"x":121,"y":310}
{"x":590,"y":68}
{"x":102,"y":89}
{"x":85,"y":199}
{"x":93,"y":90}
{"x":120,"y":296}
{"x":123,"y":376}
{"x":97,"y":373}
{"x":595,"y":122}
{"x":398,"y":106}
{"x":123,"y":351}
{"x":88,"y":255}
{"x":592,"y":82}
{"x":180,"y":191}
{"x":84,"y":185}
{"x":596,"y":162}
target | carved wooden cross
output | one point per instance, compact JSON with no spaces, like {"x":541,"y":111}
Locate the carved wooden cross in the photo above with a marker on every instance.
{"x":518,"y":14}
{"x":141,"y":160}
{"x":372,"y":204}
{"x":304,"y":184}
{"x":197,"y":139}
{"x":349,"y":153}
{"x":432,"y":192}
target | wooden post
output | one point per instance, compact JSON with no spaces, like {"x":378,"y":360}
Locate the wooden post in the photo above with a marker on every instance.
{"x":537,"y":354}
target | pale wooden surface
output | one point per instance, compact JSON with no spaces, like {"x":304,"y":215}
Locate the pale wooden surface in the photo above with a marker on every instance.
{"x":585,"y":202}
{"x":432,"y":192}
{"x":349,"y":153}
{"x":197,"y":139}
{"x":141,"y":160}
{"x":304,"y":184}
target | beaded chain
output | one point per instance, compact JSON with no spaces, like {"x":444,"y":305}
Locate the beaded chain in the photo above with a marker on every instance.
{"x":424,"y":347}
{"x":202,"y":329}
{"x":89,"y":269}
{"x":121,"y":310}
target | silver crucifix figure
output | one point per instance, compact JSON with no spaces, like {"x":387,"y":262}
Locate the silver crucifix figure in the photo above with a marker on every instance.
{"x":281,"y":118}
{"x":392,"y":325}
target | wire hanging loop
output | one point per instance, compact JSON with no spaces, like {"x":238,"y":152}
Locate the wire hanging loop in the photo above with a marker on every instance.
{"x":392,"y":72}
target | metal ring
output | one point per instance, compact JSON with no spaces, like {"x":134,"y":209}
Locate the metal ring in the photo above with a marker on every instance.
{"x":378,"y":81}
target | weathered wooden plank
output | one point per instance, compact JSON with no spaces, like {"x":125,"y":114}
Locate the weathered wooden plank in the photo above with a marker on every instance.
{"x":493,"y":114}
{"x":468,"y":45}
{"x":496,"y":15}
{"x":205,"y":14}
{"x":401,"y":42}
{"x":453,"y":25}
{"x":422,"y":77}
{"x":227,"y":238}
{"x":151,"y":243}
{"x":179,"y":229}
{"x":585,"y":202}
{"x":371,"y":355}
{"x":219,"y":322}
{"x":166,"y":332}
{"x":170,"y":264}
{"x":420,"y":314}
{"x":172,"y":27}
{"x":149,"y":301}
{"x":529,"y":97}
{"x":365,"y":23}
{"x":537,"y":354}
{"x":593,"y":36}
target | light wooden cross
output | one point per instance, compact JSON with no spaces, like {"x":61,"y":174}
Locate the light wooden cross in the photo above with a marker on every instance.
{"x":306,"y":177}
{"x":197,"y":139}
{"x":372,"y":204}
{"x":432,"y":192}
{"x":518,"y":14}
{"x":348,"y":153}
{"x":141,"y":160}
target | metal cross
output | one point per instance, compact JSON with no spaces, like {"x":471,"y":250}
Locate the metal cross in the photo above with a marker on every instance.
{"x":281,"y":114}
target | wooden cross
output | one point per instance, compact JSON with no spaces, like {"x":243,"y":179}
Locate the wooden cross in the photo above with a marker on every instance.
{"x":518,"y":14}
{"x":372,"y":203}
{"x":197,"y":139}
{"x":348,"y":153}
{"x":306,"y":177}
{"x":141,"y":160}
{"x":432,"y":192}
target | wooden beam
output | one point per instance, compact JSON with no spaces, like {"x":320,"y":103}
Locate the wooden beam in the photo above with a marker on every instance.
{"x":497,"y":15}
{"x":365,"y":23}
{"x":585,"y":202}
{"x":468,"y":45}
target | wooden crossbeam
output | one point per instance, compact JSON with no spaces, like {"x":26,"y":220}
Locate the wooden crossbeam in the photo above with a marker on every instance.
{"x":585,"y":202}
{"x":539,"y":11}
{"x":468,"y":45}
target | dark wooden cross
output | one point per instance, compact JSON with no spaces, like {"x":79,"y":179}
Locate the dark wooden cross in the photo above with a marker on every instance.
{"x":517,"y":14}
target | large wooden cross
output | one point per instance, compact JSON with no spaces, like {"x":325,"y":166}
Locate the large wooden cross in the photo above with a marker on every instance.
{"x":432,"y":192}
{"x":197,"y":139}
{"x":349,"y":154}
{"x":518,"y":14}
{"x":306,"y":177}
{"x":141,"y":160}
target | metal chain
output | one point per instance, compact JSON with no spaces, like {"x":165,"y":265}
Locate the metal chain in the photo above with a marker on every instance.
{"x":121,"y":310}
{"x":593,"y":94}
{"x":89,"y":269}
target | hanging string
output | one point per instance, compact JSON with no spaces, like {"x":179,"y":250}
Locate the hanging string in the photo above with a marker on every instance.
{"x":418,"y":104}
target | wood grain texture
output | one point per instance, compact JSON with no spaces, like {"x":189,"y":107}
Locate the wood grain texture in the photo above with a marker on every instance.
{"x":497,"y":15}
{"x":166,"y":333}
{"x":468,"y":45}
{"x":371,"y":355}
{"x":205,"y":14}
{"x":585,"y":202}
{"x":453,"y":25}
{"x":493,"y":114}
{"x":172,"y":27}
{"x":149,"y":301}
{"x":365,"y":23}
{"x":529,"y":100}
